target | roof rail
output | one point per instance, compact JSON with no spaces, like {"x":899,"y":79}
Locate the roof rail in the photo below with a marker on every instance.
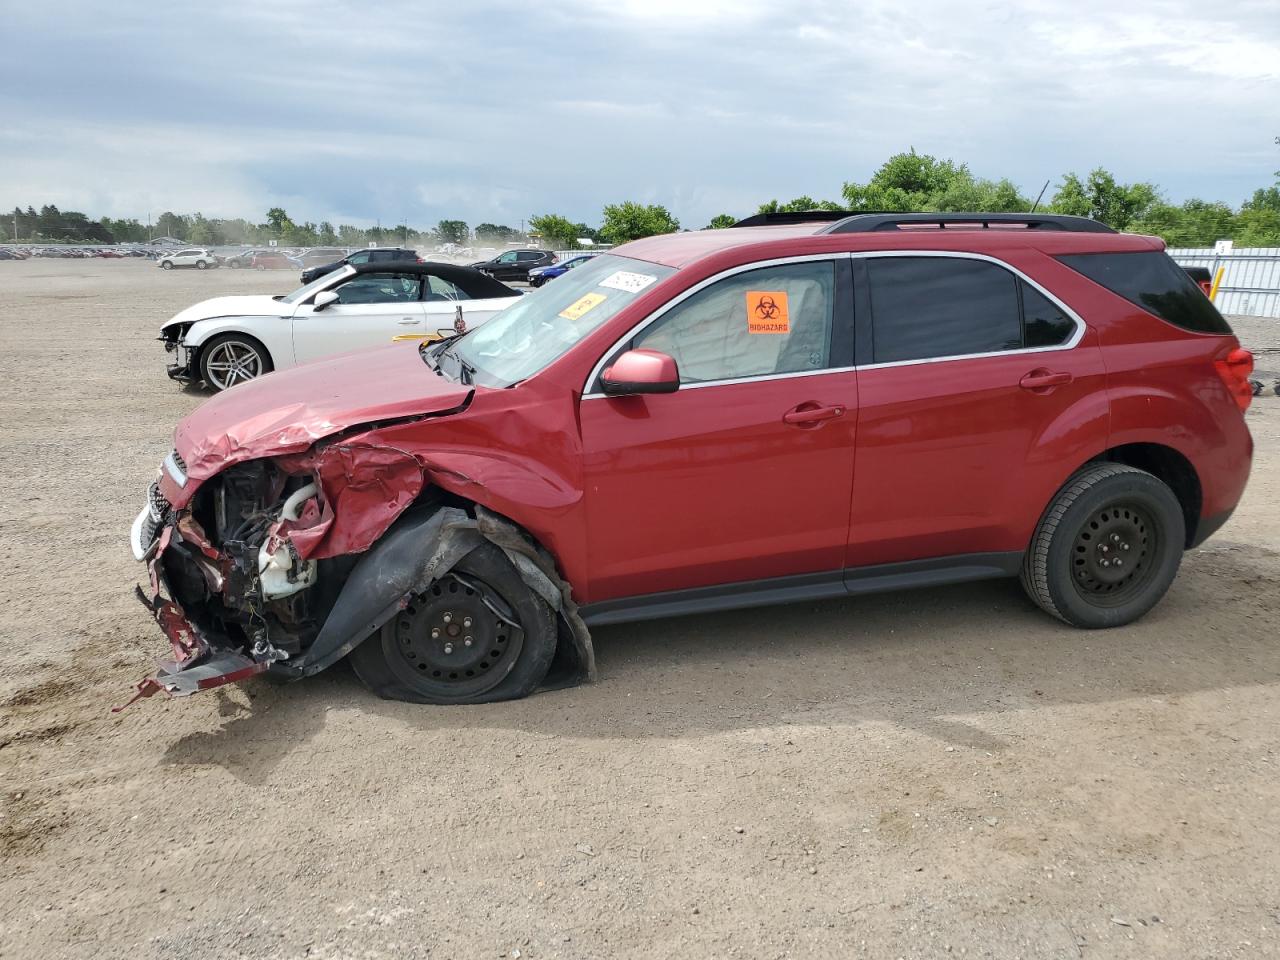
{"x":871,"y":222}
{"x":793,"y":216}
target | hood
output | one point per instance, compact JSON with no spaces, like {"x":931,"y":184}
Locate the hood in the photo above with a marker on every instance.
{"x":288,"y":411}
{"x":258,"y":305}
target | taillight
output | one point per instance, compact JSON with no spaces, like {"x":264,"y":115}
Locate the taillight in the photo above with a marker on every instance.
{"x":1234,"y":370}
{"x":1206,"y":286}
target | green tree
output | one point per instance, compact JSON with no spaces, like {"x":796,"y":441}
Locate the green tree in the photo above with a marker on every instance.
{"x":278,"y":220}
{"x":631,"y":221}
{"x":1195,"y":223}
{"x":495,"y":233}
{"x":918,"y":182}
{"x":169,"y":224}
{"x":798,"y":205}
{"x":453,"y":231}
{"x":327,"y":235}
{"x":559,"y":232}
{"x":1099,"y":197}
{"x":720,"y":221}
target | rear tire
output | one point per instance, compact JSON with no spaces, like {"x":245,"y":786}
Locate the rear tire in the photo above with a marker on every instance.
{"x":1107,"y":549}
{"x":420,"y":657}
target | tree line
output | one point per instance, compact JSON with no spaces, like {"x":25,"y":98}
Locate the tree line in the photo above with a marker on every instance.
{"x":906,"y":182}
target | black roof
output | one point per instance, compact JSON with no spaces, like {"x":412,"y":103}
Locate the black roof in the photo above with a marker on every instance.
{"x":475,"y":284}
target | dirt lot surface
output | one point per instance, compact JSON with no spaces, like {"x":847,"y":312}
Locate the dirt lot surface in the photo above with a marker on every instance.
{"x":940,"y":773}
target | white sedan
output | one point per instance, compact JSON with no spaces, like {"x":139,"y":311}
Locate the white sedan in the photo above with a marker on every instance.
{"x":227,"y":340}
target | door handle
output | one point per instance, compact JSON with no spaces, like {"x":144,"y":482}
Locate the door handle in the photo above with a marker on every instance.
{"x":1042,"y":379}
{"x":811,"y":414}
{"x":408,"y":322}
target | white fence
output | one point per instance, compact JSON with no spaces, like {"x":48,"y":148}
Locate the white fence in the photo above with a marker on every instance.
{"x":1251,"y":282}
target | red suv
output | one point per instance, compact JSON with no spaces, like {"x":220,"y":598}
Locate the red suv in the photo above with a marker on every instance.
{"x":707,"y":420}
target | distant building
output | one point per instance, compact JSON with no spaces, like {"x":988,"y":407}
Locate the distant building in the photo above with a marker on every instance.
{"x":166,"y":242}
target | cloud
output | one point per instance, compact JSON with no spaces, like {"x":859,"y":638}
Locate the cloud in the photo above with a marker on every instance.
{"x":495,"y":111}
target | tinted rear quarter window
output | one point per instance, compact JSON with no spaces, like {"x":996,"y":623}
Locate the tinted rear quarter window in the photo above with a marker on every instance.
{"x":926,"y":307}
{"x":1152,"y":281}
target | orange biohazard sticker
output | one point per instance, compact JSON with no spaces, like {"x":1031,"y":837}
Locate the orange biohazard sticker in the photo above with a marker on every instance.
{"x":767,"y":312}
{"x":582,"y":306}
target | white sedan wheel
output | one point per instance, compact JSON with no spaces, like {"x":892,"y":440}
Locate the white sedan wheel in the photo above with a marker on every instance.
{"x":231,"y":360}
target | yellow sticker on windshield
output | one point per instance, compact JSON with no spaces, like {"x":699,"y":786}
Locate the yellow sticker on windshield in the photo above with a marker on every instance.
{"x":767,"y":312}
{"x":582,"y":306}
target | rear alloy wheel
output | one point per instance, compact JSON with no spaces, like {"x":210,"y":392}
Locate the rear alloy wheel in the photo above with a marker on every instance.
{"x":478,"y":634}
{"x":233,"y":358}
{"x":1107,"y":548}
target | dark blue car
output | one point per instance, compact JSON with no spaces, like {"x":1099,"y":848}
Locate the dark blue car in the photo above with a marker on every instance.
{"x":540,"y":275}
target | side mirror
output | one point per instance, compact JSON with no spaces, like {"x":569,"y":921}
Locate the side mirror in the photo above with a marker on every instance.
{"x":324,"y":298}
{"x":641,"y":371}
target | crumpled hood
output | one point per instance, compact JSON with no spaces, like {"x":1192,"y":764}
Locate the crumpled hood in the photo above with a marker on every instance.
{"x":256,"y":305}
{"x":288,"y":411}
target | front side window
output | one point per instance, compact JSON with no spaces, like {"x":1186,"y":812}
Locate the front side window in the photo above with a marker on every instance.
{"x":508,"y":257}
{"x":927,"y":307}
{"x":767,"y":321}
{"x":380,"y":288}
{"x":360,"y":257}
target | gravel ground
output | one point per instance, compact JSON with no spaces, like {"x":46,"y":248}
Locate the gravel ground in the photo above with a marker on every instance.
{"x":940,"y":773}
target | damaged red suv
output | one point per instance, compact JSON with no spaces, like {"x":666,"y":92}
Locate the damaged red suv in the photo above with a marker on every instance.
{"x":698,"y":421}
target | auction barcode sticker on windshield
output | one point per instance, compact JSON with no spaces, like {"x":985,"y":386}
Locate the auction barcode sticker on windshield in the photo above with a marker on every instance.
{"x":627,"y":282}
{"x":582,"y":306}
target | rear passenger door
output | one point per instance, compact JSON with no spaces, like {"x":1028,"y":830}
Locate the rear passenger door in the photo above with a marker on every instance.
{"x":981,"y":394}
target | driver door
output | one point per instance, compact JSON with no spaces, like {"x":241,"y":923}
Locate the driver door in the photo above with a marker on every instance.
{"x":371,"y":310}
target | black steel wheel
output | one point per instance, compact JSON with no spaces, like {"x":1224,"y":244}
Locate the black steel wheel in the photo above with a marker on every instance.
{"x":1107,"y":549}
{"x":1113,"y":552}
{"x":458,"y":637}
{"x":478,"y":634}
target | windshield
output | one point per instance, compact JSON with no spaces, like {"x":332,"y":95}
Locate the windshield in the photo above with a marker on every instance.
{"x":541,"y":326}
{"x":318,"y":284}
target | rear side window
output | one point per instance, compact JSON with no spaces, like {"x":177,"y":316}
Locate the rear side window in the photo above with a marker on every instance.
{"x":1153,"y":282}
{"x":926,"y":307}
{"x":1044,"y":324}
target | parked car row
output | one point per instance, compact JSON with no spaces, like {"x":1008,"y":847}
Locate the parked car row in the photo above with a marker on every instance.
{"x":72,"y":253}
{"x":688,"y":423}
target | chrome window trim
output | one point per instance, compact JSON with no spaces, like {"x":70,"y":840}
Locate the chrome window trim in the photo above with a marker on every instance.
{"x":1071,"y":343}
{"x":174,"y":471}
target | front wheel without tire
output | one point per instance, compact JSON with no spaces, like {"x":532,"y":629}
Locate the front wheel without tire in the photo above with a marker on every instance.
{"x":1107,"y":548}
{"x":476,"y":635}
{"x":233,"y":358}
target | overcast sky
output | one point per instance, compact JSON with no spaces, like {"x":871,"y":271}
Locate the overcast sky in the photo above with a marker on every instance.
{"x":491,"y":111}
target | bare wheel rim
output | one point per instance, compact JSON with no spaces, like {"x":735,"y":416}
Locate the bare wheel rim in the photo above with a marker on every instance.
{"x":455,"y":640}
{"x":1115,"y":554}
{"x":231,"y":362}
